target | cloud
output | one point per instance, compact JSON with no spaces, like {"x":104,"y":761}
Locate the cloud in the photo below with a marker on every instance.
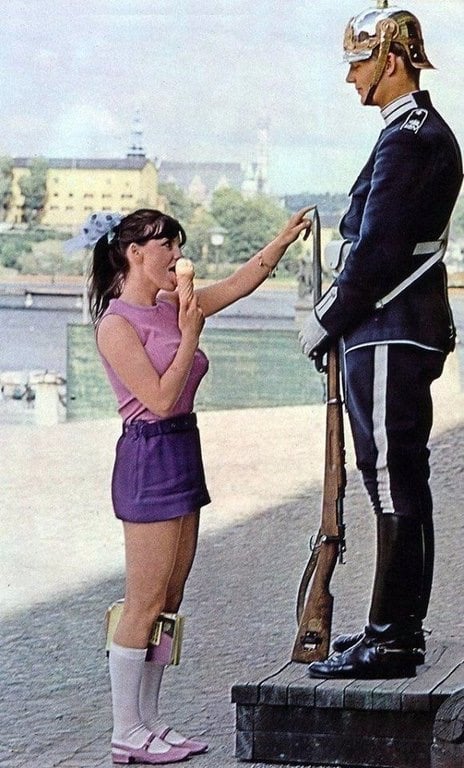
{"x":85,"y":130}
{"x":205,"y":75}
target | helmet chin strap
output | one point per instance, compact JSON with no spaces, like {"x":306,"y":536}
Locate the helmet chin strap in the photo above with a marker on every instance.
{"x":386,"y":36}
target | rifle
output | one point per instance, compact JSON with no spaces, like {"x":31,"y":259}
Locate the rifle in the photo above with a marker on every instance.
{"x":314,"y":612}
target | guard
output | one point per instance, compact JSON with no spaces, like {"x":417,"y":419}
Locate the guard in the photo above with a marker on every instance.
{"x":389,"y":306}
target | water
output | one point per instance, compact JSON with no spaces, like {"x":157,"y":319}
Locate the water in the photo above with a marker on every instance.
{"x":252,"y":346}
{"x":36,"y":338}
{"x":33,"y":339}
{"x":254,"y":354}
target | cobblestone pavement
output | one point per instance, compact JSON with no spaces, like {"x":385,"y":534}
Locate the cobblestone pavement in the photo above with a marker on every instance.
{"x":62,"y":561}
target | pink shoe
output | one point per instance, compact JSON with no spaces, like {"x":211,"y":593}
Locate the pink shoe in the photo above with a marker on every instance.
{"x":194,"y":746}
{"x":122,"y":753}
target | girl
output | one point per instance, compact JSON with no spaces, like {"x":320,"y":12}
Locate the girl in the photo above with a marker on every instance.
{"x":148,"y":330}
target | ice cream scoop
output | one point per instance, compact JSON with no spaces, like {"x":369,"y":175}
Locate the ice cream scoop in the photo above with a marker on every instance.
{"x":185,"y":269}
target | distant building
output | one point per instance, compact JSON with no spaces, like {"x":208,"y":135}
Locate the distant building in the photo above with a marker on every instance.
{"x":76,"y":187}
{"x":199,"y":180}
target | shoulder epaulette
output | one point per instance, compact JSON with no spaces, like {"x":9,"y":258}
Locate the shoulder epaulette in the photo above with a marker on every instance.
{"x":415,"y":120}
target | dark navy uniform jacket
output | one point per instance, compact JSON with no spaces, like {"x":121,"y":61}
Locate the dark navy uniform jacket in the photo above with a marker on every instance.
{"x":404,"y":195}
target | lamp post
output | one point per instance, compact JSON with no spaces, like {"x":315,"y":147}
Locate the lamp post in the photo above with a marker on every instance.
{"x":216,"y":236}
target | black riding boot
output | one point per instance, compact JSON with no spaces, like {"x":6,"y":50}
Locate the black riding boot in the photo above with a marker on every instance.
{"x":343,"y":642}
{"x":428,"y":548}
{"x":392,"y":643}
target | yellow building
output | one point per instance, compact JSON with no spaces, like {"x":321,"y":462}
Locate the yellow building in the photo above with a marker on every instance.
{"x":77,"y":187}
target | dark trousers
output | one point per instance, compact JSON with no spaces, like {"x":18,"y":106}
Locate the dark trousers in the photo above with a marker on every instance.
{"x":390,"y":409}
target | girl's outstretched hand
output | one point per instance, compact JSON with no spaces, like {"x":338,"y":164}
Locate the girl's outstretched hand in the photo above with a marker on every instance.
{"x":295,"y":225}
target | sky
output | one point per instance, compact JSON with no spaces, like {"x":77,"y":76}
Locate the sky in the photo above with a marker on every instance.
{"x":205,"y":76}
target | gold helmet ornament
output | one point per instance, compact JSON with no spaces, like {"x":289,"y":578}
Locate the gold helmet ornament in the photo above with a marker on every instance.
{"x":380,"y":27}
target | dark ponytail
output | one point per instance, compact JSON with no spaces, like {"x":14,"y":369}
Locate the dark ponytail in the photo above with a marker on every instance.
{"x":108,"y":270}
{"x":109,"y":266}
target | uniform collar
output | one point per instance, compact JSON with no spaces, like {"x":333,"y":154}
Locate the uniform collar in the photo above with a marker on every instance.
{"x":399,"y":107}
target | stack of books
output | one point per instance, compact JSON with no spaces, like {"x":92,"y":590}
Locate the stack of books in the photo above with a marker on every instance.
{"x":165,"y":642}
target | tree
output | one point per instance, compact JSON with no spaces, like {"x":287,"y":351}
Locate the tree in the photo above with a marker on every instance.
{"x":178,"y":204}
{"x":6,"y":179}
{"x":33,"y":187}
{"x":198,"y":239}
{"x":250,"y":223}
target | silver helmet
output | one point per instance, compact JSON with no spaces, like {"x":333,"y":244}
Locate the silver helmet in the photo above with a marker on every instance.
{"x":380,"y":27}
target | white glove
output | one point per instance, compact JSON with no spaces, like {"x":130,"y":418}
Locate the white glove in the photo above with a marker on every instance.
{"x":312,"y":335}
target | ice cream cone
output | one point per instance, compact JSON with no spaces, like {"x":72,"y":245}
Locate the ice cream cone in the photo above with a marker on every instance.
{"x":185,"y":272}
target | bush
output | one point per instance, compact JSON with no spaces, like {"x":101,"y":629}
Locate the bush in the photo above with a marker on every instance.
{"x":12,"y":249}
{"x":16,"y":251}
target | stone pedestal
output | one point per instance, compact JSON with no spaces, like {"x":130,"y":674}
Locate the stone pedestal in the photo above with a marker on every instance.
{"x":289,"y":717}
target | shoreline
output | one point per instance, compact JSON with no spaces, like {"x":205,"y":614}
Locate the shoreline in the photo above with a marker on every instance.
{"x":278,"y":284}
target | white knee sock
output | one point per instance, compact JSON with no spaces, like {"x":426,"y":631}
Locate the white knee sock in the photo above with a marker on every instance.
{"x":126,"y":669}
{"x":149,"y":703}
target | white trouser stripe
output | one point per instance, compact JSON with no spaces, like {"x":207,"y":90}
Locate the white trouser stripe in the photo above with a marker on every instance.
{"x":379,"y":413}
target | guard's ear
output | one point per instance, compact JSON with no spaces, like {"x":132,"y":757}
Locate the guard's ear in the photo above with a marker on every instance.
{"x":392,"y":62}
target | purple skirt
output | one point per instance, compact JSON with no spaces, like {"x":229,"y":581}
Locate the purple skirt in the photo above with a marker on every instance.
{"x":158,"y":472}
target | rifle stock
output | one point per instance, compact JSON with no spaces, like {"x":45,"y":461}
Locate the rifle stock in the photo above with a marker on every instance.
{"x":314,"y":613}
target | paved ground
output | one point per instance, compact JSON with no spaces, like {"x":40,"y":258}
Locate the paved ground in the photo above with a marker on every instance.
{"x":61,"y":565}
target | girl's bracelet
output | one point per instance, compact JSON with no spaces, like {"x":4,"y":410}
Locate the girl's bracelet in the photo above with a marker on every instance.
{"x":271,"y":271}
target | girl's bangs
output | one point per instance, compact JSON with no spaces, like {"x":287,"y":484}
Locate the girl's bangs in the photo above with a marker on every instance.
{"x":165,"y":227}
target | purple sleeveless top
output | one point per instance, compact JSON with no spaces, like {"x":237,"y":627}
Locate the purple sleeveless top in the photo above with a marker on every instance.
{"x":159,"y":333}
